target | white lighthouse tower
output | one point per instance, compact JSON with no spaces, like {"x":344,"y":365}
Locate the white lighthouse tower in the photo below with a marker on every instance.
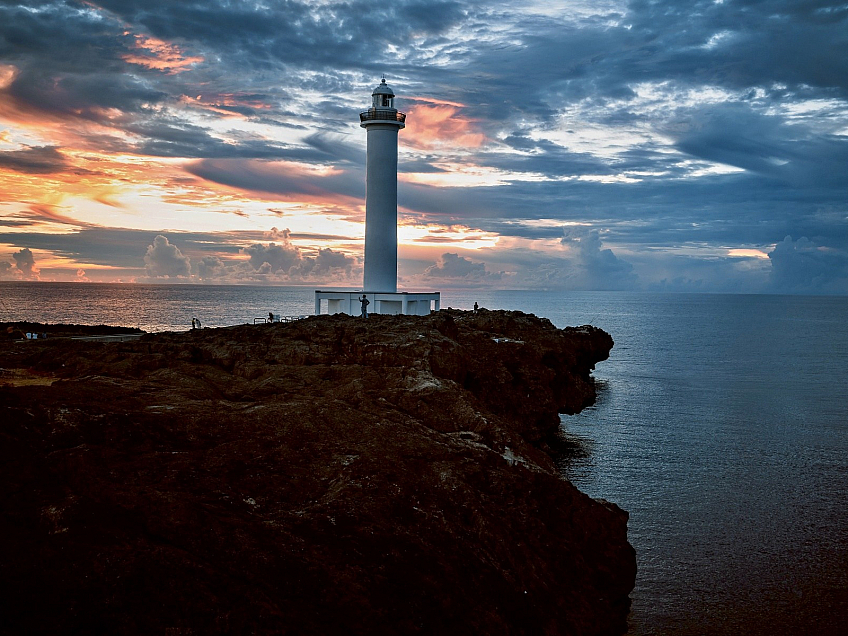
{"x":382,"y":121}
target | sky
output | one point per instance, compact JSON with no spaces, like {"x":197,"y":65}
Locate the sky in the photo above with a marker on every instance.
{"x":656,"y":145}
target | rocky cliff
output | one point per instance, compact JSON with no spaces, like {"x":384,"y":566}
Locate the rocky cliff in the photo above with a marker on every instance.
{"x":329,"y":476}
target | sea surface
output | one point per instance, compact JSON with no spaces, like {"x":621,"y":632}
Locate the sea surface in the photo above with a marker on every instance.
{"x":721,"y":425}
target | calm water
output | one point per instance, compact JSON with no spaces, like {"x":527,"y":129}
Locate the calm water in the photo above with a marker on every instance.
{"x":721,"y":426}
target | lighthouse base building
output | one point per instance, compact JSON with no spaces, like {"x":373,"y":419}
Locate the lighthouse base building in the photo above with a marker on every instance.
{"x":382,"y":123}
{"x":348,"y":302}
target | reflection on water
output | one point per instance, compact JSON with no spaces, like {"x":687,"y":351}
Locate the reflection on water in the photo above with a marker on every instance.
{"x":149,"y":307}
{"x":722,"y":426}
{"x":574,"y":453}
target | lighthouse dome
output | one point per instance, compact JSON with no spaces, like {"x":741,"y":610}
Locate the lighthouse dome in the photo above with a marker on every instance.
{"x":383,"y":89}
{"x":382,"y":111}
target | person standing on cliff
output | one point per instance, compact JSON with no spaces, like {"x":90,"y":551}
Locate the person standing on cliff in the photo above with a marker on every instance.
{"x":365,"y":302}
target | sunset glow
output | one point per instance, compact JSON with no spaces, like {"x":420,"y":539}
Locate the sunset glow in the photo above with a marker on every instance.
{"x":544,"y":144}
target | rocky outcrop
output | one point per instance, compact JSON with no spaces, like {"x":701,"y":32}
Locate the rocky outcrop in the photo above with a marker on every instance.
{"x":332,"y":475}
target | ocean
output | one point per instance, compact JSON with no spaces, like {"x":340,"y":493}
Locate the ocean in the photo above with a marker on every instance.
{"x":721,"y":425}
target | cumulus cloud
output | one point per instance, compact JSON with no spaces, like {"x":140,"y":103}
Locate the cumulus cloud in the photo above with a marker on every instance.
{"x":6,"y":270}
{"x":803,"y":267}
{"x":210,"y":267}
{"x":276,"y":258}
{"x":164,"y":260}
{"x":455,"y":267}
{"x":25,"y":263}
{"x":594,"y":267}
{"x":326,"y":261}
{"x":286,"y":262}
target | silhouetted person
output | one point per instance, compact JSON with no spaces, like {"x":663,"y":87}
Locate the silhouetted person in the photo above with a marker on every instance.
{"x":270,"y":316}
{"x":476,"y":307}
{"x":365,"y":302}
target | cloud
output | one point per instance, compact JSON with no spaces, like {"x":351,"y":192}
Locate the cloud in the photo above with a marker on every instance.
{"x":164,"y":260}
{"x":25,"y":264}
{"x":210,"y":267}
{"x":6,"y":271}
{"x":328,"y":261}
{"x":586,"y":265}
{"x":34,"y":160}
{"x":454,"y":267}
{"x":803,"y":267}
{"x":286,"y":262}
{"x":277,"y":258}
{"x":434,"y":124}
{"x":291,"y":181}
{"x":678,"y":128}
{"x":596,"y":267}
{"x":156,"y":54}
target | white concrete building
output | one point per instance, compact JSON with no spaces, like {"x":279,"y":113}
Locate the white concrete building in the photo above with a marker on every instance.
{"x":382,"y":123}
{"x":348,"y":302}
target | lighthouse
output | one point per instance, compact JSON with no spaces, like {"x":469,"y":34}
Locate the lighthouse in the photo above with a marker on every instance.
{"x":382,"y":122}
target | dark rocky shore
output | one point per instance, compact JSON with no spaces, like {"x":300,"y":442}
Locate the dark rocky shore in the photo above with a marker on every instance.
{"x":328,"y":476}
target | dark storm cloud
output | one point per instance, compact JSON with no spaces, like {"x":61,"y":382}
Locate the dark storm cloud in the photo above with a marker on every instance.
{"x":335,"y":148}
{"x":779,"y":41}
{"x":62,"y":36}
{"x":262,"y":36}
{"x":803,"y":267}
{"x":69,"y":61}
{"x":25,"y":263}
{"x":736,"y":45}
{"x":83,"y":97}
{"x":34,"y":160}
{"x":175,"y":138}
{"x":272,"y":178}
{"x":766,"y":145}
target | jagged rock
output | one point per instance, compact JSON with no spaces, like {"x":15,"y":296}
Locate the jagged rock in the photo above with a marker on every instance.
{"x":332,"y":475}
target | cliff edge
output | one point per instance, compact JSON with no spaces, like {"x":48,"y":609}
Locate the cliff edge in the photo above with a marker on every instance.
{"x":333,"y":475}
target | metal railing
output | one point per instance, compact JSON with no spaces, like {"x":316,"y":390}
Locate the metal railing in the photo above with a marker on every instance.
{"x":278,"y":318}
{"x":373,"y":114}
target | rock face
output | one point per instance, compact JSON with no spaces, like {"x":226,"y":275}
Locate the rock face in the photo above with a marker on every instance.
{"x":329,"y":476}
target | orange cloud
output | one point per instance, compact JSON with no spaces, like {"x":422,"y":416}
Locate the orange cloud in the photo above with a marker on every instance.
{"x":7,"y":75}
{"x":228,"y":105}
{"x":436,"y":123}
{"x":45,"y":213}
{"x":157,"y":54}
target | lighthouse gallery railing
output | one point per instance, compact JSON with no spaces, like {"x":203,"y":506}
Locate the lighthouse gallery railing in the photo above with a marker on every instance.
{"x":386,"y":115}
